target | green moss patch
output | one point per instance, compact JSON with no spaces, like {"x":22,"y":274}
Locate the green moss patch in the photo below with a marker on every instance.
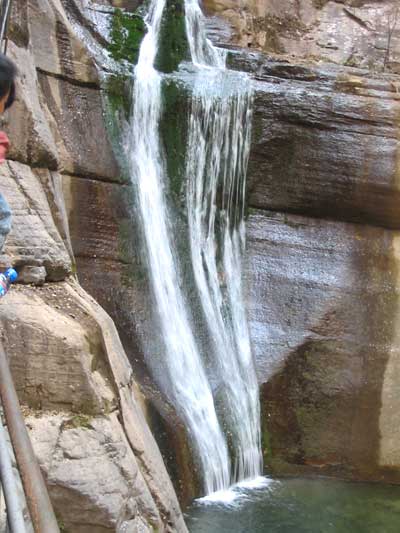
{"x":173,"y":132}
{"x":127,"y":31}
{"x":174,"y":45}
{"x":78,"y":421}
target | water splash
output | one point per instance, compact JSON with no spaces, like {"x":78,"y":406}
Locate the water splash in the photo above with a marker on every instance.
{"x":219,"y":138}
{"x":219,"y":145}
{"x":188,"y":385}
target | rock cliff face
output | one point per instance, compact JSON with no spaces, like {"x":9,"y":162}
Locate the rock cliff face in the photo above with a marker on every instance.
{"x":362,"y":33}
{"x":323,"y":262}
{"x":84,"y":409}
{"x":323,"y":235}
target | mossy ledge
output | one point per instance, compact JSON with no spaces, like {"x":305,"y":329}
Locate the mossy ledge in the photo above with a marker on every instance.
{"x":127,"y":32}
{"x":174,"y":47}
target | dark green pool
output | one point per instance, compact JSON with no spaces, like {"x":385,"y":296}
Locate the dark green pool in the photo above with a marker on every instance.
{"x":302,"y":506}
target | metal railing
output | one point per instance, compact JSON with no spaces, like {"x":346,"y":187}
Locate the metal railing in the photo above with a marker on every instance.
{"x":36,"y":495}
{"x":5,"y":11}
{"x":37,"y":498}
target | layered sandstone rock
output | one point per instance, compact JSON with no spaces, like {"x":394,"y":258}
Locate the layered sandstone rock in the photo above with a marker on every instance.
{"x":322,"y":267}
{"x":102,"y":465}
{"x":323,"y":312}
{"x":362,"y":33}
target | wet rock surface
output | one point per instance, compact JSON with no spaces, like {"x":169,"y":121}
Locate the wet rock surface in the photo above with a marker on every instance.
{"x":323,"y":300}
{"x":325,"y":143}
{"x":321,"y":266}
{"x":323,"y":310}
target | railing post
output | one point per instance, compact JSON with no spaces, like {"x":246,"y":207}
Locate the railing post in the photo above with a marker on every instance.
{"x":15,"y":517}
{"x":40,"y":508}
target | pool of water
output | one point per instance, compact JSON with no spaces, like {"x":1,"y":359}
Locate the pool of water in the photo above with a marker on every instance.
{"x":301,"y":506}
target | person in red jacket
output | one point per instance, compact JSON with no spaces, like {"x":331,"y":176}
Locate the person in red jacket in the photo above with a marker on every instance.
{"x":8,"y":72}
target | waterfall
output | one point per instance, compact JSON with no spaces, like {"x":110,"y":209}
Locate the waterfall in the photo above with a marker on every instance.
{"x":218,"y":146}
{"x":219,"y":137}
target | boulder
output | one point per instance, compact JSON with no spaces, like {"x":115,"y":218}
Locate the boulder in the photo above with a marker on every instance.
{"x":94,"y":479}
{"x":55,"y":350}
{"x":133,"y":409}
{"x":72,"y":373}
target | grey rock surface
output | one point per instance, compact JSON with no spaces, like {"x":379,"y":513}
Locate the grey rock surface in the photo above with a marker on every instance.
{"x":323,"y":309}
{"x":34,"y":240}
{"x":27,"y":125}
{"x":93,"y":475}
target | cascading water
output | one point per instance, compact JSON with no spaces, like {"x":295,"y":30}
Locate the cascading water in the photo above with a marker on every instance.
{"x":218,"y":149}
{"x":219,"y":138}
{"x":190,"y":389}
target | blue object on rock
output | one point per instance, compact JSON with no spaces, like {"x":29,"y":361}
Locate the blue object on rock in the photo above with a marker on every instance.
{"x":6,"y":278}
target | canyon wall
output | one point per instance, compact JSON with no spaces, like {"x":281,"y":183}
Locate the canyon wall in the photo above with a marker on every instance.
{"x":84,"y":411}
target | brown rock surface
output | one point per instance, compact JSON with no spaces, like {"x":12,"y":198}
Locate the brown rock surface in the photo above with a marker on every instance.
{"x":322,"y":257}
{"x":83,"y":145}
{"x":323,"y":290}
{"x":323,"y":302}
{"x":326,"y":143}
{"x":323,"y":311}
{"x":348,"y":32}
{"x":66,"y":357}
{"x":58,"y":50}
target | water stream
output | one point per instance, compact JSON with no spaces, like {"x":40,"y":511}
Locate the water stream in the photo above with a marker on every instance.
{"x":223,"y":423}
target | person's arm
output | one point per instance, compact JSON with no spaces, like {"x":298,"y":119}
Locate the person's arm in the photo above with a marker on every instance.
{"x":5,"y":220}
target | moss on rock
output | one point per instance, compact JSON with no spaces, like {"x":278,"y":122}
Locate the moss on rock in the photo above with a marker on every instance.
{"x":173,"y":37}
{"x":173,"y":132}
{"x":127,"y":31}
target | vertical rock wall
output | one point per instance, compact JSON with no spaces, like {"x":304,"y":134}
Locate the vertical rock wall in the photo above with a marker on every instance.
{"x":323,"y":235}
{"x":84,"y":411}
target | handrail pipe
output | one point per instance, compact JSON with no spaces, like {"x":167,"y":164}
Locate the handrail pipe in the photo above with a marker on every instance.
{"x":39,"y":504}
{"x":15,"y":517}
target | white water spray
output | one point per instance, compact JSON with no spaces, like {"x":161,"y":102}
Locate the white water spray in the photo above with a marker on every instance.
{"x":218,"y":147}
{"x":189,"y":388}
{"x":219,"y":144}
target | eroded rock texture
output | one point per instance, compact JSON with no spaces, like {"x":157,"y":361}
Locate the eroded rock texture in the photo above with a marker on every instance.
{"x":322,"y":249}
{"x":85,"y":412}
{"x":362,"y":33}
{"x":323,"y":237}
{"x":322,"y":263}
